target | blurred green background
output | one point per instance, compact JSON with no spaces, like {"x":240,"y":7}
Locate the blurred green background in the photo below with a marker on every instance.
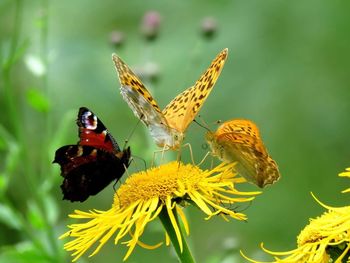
{"x":288,"y":71}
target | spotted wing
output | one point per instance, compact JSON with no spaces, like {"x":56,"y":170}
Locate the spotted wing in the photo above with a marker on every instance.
{"x":141,"y":102}
{"x":181,"y":111}
{"x":240,"y":141}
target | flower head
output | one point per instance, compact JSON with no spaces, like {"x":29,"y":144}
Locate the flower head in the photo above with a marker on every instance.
{"x":326,"y":237}
{"x":146,"y":194}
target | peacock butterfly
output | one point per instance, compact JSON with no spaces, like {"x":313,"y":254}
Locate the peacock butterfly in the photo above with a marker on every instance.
{"x":94,"y":162}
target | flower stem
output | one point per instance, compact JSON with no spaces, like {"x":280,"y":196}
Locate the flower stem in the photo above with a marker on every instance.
{"x":185,"y":256}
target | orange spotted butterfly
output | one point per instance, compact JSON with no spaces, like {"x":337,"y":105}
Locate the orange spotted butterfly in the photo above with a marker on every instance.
{"x":167,"y":127}
{"x":239,"y":141}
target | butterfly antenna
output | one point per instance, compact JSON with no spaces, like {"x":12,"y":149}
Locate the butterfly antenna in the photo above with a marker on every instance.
{"x":205,"y":126}
{"x":131,"y":134}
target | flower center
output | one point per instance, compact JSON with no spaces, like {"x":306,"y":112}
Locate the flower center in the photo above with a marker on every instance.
{"x":159,"y":182}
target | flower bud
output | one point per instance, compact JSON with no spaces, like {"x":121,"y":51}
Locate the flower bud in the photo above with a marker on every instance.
{"x":116,"y":38}
{"x":208,"y":27}
{"x":150,"y":25}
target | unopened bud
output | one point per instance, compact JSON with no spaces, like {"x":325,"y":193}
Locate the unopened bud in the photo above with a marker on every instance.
{"x":208,"y":27}
{"x":150,"y":25}
{"x":116,"y":38}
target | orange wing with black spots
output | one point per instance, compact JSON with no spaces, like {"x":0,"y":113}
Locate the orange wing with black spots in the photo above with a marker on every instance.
{"x":168,"y":127}
{"x":239,"y":141}
{"x":182,"y":110}
{"x":128,"y":79}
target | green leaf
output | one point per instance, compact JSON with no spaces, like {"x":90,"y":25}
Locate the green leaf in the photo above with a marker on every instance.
{"x":24,"y":252}
{"x":20,"y":51}
{"x":35,"y":216}
{"x":2,"y":143}
{"x":4,"y":179}
{"x":9,"y":217}
{"x":37,"y":100}
{"x":51,"y":209}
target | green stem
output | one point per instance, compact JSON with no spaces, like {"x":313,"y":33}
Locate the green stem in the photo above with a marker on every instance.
{"x":47,"y":120}
{"x":185,"y":256}
{"x":9,"y":90}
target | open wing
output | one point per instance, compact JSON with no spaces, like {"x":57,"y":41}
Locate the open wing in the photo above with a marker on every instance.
{"x":142,"y":103}
{"x":181,"y":111}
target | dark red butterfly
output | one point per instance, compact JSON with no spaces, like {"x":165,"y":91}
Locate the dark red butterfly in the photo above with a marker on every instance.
{"x":93,"y":163}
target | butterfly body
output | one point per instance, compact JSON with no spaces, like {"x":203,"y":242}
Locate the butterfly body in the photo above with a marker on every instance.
{"x":93,"y":163}
{"x":239,"y":141}
{"x":167,"y":127}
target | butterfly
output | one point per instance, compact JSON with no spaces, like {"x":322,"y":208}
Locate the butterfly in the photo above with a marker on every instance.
{"x":167,"y":127}
{"x":94,"y":162}
{"x":239,"y":141}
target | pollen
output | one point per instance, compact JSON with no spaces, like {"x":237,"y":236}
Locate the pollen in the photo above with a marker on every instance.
{"x":160,"y":182}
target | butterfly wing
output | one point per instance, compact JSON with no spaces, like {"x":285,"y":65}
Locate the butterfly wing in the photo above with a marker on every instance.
{"x":87,"y":170}
{"x":94,"y":163}
{"x":239,"y":140}
{"x":92,"y":132}
{"x":181,"y":111}
{"x":243,"y":132}
{"x":142,"y":104}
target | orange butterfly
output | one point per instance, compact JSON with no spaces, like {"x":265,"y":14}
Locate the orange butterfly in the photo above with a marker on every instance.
{"x":239,"y":141}
{"x":167,"y":127}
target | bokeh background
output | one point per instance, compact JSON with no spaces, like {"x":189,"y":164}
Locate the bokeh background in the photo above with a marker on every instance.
{"x":288,"y":71}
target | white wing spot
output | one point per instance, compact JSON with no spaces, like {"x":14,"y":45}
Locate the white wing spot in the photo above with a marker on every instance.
{"x":90,"y":123}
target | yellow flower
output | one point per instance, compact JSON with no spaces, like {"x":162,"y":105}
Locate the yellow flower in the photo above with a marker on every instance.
{"x":346,"y":174}
{"x":147,"y":195}
{"x":326,"y":237}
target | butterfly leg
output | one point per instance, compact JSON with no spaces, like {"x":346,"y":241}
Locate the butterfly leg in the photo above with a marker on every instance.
{"x":212,"y":162}
{"x":204,"y":158}
{"x":191,"y":152}
{"x":165,"y":148}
